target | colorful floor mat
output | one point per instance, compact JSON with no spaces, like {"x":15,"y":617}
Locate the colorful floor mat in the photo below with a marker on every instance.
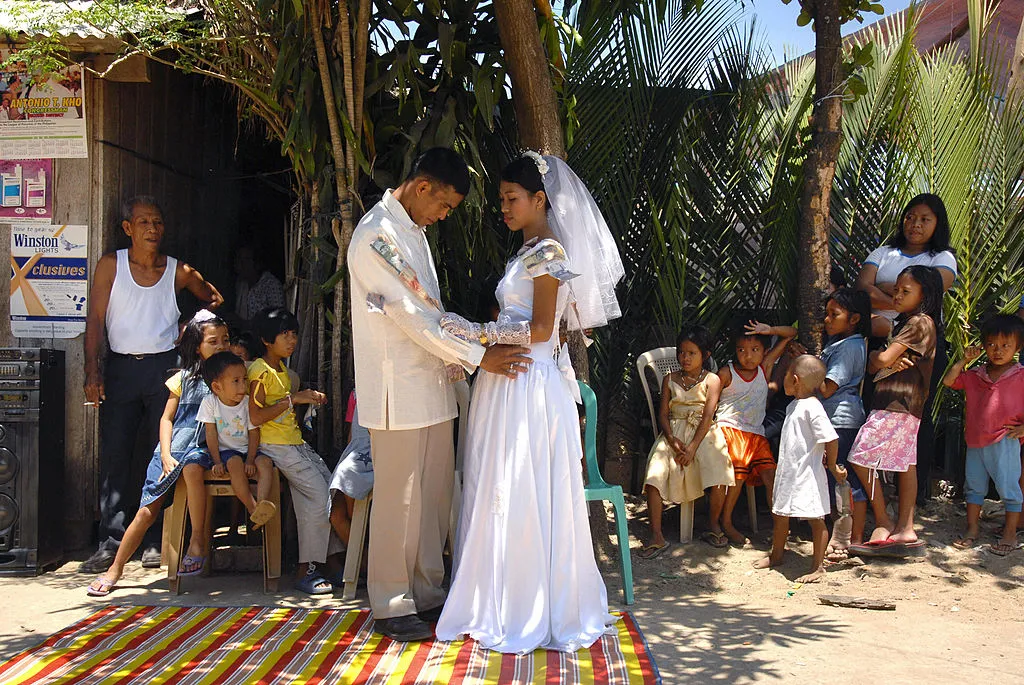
{"x":245,"y":645}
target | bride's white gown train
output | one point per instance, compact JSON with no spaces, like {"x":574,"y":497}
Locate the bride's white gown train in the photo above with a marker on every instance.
{"x":525,"y":576}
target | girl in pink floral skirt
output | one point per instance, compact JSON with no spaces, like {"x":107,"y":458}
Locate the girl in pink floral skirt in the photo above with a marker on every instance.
{"x":888,"y":439}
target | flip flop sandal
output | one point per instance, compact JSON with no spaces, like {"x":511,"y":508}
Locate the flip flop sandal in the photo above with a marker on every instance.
{"x":312,"y":583}
{"x":1001,"y":550}
{"x":716,"y":540}
{"x":964,"y":543}
{"x":892,"y":549}
{"x":263,"y":512}
{"x":873,"y":548}
{"x":654,"y":551}
{"x":101,"y":587}
{"x":191,"y":566}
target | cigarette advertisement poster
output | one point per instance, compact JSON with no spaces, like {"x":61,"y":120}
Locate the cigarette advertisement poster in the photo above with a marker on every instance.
{"x":49,"y":280}
{"x":27,"y":191}
{"x":42,"y":115}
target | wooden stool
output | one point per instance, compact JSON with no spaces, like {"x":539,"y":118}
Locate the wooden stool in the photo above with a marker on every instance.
{"x":177,"y":513}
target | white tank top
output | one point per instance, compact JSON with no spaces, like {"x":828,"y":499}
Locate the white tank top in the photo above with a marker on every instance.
{"x":742,"y":405}
{"x":142,"y":320}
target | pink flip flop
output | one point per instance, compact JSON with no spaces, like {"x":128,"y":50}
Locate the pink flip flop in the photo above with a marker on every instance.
{"x":196,"y":565}
{"x":101,"y":587}
{"x":888,"y":548}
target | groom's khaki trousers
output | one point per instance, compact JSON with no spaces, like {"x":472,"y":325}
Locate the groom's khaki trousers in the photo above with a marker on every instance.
{"x":413,"y":472}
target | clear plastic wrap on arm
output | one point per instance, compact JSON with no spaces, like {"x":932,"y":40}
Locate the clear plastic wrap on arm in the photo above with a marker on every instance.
{"x":487,"y":334}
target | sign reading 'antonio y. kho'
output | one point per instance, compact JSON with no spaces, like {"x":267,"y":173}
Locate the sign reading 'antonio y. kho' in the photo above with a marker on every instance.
{"x":49,"y":280}
{"x":42,"y":115}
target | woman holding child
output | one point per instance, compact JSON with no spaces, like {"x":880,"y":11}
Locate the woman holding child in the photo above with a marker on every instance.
{"x":923,"y":240}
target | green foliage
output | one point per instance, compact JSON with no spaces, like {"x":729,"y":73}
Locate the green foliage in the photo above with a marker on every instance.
{"x":849,"y":10}
{"x":437,"y":76}
{"x":702,"y":188}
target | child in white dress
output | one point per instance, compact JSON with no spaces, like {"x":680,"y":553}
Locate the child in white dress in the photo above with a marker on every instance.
{"x":801,"y":485}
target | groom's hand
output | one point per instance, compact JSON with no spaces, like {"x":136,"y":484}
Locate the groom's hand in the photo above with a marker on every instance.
{"x":506,"y":360}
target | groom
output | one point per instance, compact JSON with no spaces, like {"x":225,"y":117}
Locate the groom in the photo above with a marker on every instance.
{"x":404,"y":367}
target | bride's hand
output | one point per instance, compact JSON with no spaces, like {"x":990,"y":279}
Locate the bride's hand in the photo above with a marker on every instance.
{"x":506,"y":360}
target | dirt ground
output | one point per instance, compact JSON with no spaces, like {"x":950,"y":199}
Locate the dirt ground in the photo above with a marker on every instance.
{"x":707,"y":615}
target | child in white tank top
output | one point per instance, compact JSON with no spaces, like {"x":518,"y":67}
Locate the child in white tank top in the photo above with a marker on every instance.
{"x":741,"y":412}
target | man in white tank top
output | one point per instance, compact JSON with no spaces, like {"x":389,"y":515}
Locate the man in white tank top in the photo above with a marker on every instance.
{"x":134,"y":302}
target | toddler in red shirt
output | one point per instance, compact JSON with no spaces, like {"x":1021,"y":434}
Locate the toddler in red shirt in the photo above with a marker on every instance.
{"x":994,"y":425}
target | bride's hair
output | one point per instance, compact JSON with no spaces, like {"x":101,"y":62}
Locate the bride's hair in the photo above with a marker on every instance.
{"x":524,"y":172}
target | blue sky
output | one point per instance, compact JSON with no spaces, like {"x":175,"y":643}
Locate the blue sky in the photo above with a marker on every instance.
{"x":778,"y":22}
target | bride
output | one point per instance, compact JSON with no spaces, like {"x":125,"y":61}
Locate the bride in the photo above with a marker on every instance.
{"x":525,"y":575}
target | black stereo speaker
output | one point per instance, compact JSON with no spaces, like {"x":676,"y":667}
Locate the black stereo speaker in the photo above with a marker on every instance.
{"x":31,"y":459}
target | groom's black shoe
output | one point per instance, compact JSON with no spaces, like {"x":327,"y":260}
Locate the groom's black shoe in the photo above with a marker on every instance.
{"x":430,"y":615}
{"x":404,"y":628}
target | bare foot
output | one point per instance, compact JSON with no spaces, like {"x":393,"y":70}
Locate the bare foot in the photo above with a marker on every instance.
{"x":1008,"y":542}
{"x":735,"y":537}
{"x":881,"y":533}
{"x":836,"y":553}
{"x":112,"y":575}
{"x":767,"y":562}
{"x":812,"y":577}
{"x":908,"y":536}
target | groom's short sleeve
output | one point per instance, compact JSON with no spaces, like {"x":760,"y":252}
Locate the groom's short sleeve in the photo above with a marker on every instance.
{"x":416,"y":318}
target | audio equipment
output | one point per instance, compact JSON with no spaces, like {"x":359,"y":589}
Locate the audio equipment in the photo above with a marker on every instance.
{"x":31,"y":459}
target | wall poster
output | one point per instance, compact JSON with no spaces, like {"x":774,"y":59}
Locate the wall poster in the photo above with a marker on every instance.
{"x":49,"y":280}
{"x":41,"y":115}
{"x":26,"y":196}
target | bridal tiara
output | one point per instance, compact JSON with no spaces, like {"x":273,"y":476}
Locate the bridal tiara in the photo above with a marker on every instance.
{"x":538,"y":159}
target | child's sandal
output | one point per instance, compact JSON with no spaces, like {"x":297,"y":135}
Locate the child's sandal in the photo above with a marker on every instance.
{"x":263,"y":512}
{"x":652,"y":551}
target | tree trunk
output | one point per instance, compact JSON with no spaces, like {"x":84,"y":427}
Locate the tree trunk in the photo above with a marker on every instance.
{"x":536,"y":105}
{"x":1017,"y":64}
{"x":533,"y":94}
{"x":353,"y":63}
{"x":819,"y":171}
{"x":338,"y":152}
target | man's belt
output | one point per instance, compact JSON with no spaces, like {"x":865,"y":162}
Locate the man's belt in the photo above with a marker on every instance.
{"x":140,"y":357}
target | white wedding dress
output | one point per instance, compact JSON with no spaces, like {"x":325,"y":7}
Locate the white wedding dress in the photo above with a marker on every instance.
{"x":524,"y":574}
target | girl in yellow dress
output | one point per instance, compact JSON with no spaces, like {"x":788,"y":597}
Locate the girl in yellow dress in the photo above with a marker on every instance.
{"x":690,"y":454}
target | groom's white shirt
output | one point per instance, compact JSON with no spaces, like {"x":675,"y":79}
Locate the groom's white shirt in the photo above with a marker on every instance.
{"x":400,"y":356}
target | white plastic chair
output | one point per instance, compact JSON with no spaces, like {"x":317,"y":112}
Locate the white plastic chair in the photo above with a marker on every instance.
{"x":361,"y":511}
{"x":663,"y":361}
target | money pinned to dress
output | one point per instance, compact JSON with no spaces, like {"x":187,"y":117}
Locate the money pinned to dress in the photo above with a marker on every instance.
{"x":549,"y":258}
{"x":388,"y":251}
{"x":375,"y":303}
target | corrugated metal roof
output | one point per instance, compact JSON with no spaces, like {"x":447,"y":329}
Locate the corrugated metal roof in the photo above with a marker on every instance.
{"x":81,"y":18}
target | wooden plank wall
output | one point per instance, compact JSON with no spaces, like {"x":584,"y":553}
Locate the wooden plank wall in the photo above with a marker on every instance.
{"x":172,"y":138}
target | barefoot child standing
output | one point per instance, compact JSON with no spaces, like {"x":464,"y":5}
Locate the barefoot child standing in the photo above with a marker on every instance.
{"x":231,"y":438}
{"x":741,"y":413}
{"x":993,"y":426}
{"x":801,"y":486}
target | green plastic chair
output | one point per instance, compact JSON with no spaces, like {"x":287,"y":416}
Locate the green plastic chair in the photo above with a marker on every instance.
{"x":597,"y":489}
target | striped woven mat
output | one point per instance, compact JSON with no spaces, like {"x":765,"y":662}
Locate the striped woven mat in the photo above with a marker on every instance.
{"x":135,"y":644}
